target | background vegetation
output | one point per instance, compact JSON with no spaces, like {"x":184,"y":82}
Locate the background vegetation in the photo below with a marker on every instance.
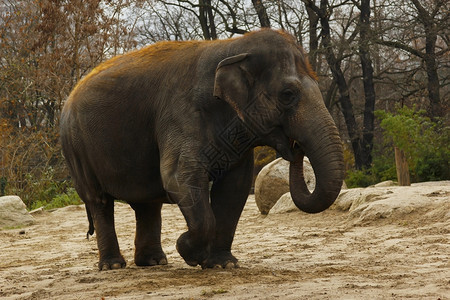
{"x":371,"y":55}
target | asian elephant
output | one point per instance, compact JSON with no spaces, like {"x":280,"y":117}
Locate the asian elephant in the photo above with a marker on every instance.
{"x":176,"y":122}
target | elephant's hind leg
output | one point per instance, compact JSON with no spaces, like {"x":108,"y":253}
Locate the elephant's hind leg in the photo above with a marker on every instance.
{"x":148,"y":235}
{"x":102,"y":211}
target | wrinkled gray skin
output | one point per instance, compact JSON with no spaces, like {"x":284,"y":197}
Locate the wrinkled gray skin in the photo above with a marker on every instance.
{"x":157,"y":125}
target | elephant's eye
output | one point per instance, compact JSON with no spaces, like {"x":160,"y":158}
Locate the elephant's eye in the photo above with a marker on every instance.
{"x":288,"y":96}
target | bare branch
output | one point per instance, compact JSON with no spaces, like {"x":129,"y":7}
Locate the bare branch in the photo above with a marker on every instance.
{"x":400,"y":46}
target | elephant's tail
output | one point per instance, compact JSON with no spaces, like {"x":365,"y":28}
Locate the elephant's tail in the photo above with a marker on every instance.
{"x":91,"y":223}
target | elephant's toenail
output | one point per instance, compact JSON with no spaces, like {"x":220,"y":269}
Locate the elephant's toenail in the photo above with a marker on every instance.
{"x":230,"y":265}
{"x":116,"y":266}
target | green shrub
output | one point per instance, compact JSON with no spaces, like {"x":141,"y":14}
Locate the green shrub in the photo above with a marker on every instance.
{"x":359,"y":178}
{"x":70,"y":197}
{"x":424,"y":141}
{"x":41,"y":188}
{"x":383,"y":165}
{"x":432,"y":167}
{"x":382,"y":168}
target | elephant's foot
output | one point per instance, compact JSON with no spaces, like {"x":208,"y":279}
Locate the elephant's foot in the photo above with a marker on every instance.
{"x":111,"y":263}
{"x":221,"y":259}
{"x":150,"y":259}
{"x":193,"y":253}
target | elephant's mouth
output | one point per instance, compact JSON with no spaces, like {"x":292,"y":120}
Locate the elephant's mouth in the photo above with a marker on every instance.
{"x":287,"y":147}
{"x":289,"y":151}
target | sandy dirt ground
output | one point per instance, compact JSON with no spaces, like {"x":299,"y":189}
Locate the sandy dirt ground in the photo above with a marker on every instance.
{"x":282,"y":256}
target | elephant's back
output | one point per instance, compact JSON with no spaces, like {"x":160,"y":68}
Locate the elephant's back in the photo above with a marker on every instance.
{"x":153,"y":76}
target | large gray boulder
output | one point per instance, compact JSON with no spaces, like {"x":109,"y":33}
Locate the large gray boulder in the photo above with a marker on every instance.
{"x":273,"y":182}
{"x":13,"y":212}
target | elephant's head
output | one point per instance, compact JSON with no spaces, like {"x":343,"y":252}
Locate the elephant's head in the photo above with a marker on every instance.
{"x":271,"y":87}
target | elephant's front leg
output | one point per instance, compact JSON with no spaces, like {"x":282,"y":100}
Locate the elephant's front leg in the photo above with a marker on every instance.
{"x":187,"y":186}
{"x":228,"y":197}
{"x":148,"y":235}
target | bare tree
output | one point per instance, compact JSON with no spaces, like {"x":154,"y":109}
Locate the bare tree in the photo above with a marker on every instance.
{"x":421,"y":29}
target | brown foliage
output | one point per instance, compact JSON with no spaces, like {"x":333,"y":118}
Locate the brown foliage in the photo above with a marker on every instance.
{"x":46,"y":47}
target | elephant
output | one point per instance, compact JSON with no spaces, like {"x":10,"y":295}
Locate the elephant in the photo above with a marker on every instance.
{"x":176,"y":122}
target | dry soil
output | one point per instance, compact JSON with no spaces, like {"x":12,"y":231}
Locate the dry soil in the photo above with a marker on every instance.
{"x":284,"y":256}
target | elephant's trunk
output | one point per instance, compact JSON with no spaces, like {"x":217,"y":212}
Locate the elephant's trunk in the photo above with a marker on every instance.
{"x":322,"y":145}
{"x":328,"y":168}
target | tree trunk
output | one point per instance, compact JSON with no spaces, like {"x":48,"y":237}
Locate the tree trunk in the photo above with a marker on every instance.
{"x":203,"y":18}
{"x":429,"y":58}
{"x":313,"y":38}
{"x":432,"y":75}
{"x":206,"y":19}
{"x":369,"y":89}
{"x":212,"y":24}
{"x":262,"y":13}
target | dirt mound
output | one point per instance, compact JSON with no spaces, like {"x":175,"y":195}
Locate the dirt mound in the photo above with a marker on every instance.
{"x":343,"y":253}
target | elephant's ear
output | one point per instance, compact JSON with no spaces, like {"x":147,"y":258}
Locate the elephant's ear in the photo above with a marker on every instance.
{"x":232,"y":82}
